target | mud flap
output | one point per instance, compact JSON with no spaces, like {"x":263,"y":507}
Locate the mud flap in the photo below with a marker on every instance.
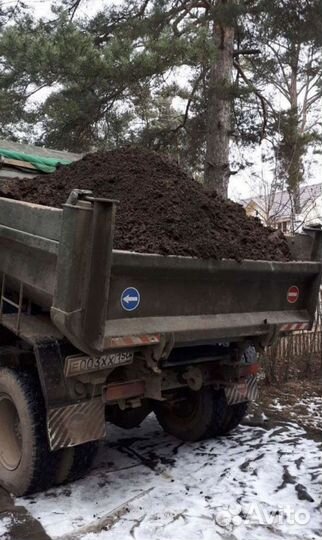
{"x":70,"y":422}
{"x":246,"y":390}
{"x":76,"y":424}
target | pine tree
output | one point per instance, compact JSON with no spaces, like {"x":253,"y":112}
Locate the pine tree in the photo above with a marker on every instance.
{"x":92,"y":67}
{"x":290,"y":67}
{"x":120,"y":75}
{"x":219,"y":103}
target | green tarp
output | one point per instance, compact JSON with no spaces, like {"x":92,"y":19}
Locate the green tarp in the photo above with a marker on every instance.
{"x":43,"y":164}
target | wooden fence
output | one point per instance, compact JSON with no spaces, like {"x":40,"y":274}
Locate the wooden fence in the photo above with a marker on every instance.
{"x":295,"y":355}
{"x":299,"y":345}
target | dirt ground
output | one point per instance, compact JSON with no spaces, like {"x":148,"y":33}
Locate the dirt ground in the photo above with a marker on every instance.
{"x":292,"y":391}
{"x":295,"y":401}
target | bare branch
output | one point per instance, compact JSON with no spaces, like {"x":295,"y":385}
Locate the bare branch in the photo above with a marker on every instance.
{"x":286,"y":79}
{"x":74,"y":7}
{"x":198,"y":5}
{"x":264,"y":102}
{"x":193,"y":91}
{"x":246,"y":52}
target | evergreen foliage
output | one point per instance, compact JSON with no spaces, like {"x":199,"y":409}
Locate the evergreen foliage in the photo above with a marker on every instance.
{"x":141,"y":73}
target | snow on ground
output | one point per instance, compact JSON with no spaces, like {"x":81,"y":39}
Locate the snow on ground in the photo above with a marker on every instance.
{"x":312,"y":407}
{"x":254,"y":484}
{"x":302,"y":407}
{"x":4,"y":526}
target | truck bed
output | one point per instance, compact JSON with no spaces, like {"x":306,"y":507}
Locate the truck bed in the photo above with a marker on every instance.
{"x":63,"y":261}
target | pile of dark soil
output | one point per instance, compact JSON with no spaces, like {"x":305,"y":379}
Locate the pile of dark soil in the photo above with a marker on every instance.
{"x":161,"y":210}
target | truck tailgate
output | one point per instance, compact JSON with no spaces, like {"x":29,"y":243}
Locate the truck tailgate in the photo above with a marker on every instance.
{"x":203,"y":300}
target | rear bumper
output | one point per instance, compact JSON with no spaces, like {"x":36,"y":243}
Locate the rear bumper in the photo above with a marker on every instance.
{"x":207,"y":328}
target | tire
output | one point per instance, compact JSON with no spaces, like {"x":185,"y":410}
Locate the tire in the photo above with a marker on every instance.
{"x":75,"y":462}
{"x":26,"y":462}
{"x":194,"y":416}
{"x":129,"y":418}
{"x":84,"y":456}
{"x":65,"y":464}
{"x":234,"y":415}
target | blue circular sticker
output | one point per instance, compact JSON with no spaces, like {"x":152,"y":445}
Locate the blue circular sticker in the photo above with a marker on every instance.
{"x":130,"y":299}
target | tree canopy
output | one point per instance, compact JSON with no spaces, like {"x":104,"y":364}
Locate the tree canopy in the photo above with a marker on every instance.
{"x":187,"y":78}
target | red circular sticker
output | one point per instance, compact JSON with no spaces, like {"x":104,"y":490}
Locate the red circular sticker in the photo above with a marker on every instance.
{"x":293,"y":294}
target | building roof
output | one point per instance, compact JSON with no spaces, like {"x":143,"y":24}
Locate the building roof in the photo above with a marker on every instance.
{"x":11,"y":172}
{"x":278,"y":204}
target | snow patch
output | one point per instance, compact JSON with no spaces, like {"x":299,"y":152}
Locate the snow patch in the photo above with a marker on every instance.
{"x":146,"y":485}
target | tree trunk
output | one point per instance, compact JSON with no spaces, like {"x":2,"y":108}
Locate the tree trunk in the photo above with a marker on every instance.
{"x":217,"y":168}
{"x":296,"y":161}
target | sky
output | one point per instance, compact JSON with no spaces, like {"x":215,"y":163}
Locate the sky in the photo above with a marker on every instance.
{"x":87,"y":7}
{"x":41,"y":8}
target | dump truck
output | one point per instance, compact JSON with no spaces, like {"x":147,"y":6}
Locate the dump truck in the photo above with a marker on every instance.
{"x":91,"y":335}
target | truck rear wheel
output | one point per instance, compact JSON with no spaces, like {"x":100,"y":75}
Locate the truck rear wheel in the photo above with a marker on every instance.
{"x":75,"y":462}
{"x":234,"y":415}
{"x":193,"y":416}
{"x":26,"y":463}
{"x":129,"y":418}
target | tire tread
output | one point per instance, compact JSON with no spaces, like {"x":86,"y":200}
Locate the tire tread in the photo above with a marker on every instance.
{"x":43,"y":462}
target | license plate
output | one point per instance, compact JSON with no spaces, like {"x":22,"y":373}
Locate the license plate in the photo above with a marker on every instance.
{"x":76,"y":365}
